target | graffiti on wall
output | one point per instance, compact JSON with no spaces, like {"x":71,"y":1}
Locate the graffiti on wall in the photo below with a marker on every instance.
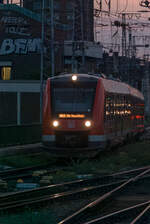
{"x":12,"y":20}
{"x":17,"y":30}
{"x":15,"y":25}
{"x":20,"y":46}
{"x":24,"y":44}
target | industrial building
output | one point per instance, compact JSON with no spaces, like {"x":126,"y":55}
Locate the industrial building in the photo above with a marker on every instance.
{"x":78,"y":14}
{"x":20,"y":40}
{"x":20,"y":59}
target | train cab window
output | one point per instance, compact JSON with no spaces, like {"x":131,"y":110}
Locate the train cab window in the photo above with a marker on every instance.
{"x":73,"y":99}
{"x":6,"y":73}
{"x":69,"y":100}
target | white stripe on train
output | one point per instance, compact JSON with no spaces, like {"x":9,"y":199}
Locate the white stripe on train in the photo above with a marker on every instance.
{"x":91,"y":138}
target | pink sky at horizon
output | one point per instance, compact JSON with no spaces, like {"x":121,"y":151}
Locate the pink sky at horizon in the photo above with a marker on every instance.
{"x":107,"y":35}
{"x":127,"y":5}
{"x":130,"y":5}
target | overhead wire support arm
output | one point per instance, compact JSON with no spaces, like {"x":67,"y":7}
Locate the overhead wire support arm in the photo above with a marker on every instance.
{"x":145,"y":3}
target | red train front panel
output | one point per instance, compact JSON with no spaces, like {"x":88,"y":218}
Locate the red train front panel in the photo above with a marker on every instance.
{"x":73,"y":112}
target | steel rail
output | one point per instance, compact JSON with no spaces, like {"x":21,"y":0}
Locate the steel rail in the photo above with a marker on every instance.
{"x":120,"y":215}
{"x":25,"y":172}
{"x":62,"y":195}
{"x":88,"y":190}
{"x":11,"y":172}
{"x":131,"y":171}
{"x":140,"y":218}
{"x":54,"y":187}
{"x":102,"y":179}
{"x":72,"y":218}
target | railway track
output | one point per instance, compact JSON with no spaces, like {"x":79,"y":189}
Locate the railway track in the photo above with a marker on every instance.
{"x":26,"y":172}
{"x":26,"y":178}
{"x":103,"y":204}
{"x":66,"y":191}
{"x":138,"y":214}
{"x":57,"y":192}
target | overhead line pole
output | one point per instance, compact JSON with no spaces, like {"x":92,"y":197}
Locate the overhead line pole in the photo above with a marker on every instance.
{"x":124,"y":45}
{"x":82,"y":34}
{"x":73,"y":42}
{"x":42,"y":61}
{"x":52,"y":39}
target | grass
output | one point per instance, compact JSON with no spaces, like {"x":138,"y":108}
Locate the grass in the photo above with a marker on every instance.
{"x":63,"y":175}
{"x":22,"y":160}
{"x":126,"y":157}
{"x":29,"y":217}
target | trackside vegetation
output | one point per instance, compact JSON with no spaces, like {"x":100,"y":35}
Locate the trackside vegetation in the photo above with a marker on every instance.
{"x":126,"y":157}
{"x":30,"y":217}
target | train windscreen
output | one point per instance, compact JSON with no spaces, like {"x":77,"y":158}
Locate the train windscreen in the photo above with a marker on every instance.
{"x":73,"y":100}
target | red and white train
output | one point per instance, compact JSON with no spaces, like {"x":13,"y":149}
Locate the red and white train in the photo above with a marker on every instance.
{"x":83,"y":114}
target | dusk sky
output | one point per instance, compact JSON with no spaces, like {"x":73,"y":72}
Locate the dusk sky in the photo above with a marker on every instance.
{"x":118,"y":5}
{"x":111,"y":35}
{"x":121,"y":4}
{"x":128,"y":5}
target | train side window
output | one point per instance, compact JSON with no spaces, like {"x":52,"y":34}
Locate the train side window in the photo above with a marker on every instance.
{"x":111,"y":107}
{"x":122,"y":105}
{"x":114,"y":107}
{"x":124,"y":108}
{"x":108,"y":107}
{"x":115,"y":97}
{"x":105,"y":109}
{"x":117,"y":106}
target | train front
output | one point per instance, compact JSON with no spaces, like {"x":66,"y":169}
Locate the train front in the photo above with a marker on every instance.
{"x":71,"y":118}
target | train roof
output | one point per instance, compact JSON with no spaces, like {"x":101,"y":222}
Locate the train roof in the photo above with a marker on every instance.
{"x":112,"y":86}
{"x":136,"y":93}
{"x":78,"y":74}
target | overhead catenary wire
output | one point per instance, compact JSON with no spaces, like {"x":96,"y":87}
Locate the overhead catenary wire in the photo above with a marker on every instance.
{"x":137,"y":21}
{"x":126,"y":6}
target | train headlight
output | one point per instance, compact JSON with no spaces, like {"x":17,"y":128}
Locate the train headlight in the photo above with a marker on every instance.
{"x":88,"y":124}
{"x":74,"y":78}
{"x":55,"y":124}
